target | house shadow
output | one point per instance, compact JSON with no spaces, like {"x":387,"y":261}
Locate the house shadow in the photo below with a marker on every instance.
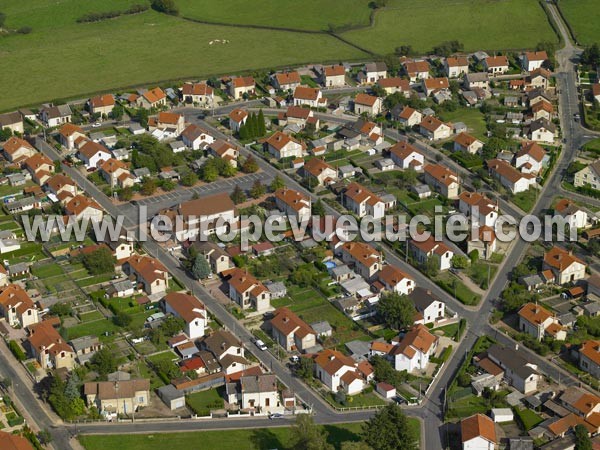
{"x":336,"y":435}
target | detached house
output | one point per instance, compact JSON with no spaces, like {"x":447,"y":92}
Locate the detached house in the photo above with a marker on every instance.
{"x":542,"y":110}
{"x":372,"y":73}
{"x":93,"y":154}
{"x":69,"y":135}
{"x":17,"y":308}
{"x":588,"y":176}
{"x":117,"y":397}
{"x":433,"y":85}
{"x":434,"y":129}
{"x":367,"y":104}
{"x":484,"y":242}
{"x":363,"y":202}
{"x":542,"y":131}
{"x":538,"y":322}
{"x":16,"y":149}
{"x":291,"y":332}
{"x":40,"y":167}
{"x":240,"y":86}
{"x":496,"y":65}
{"x":395,"y":84}
{"x":247,"y":291}
{"x":366,"y":260}
{"x":218,"y":258}
{"x":429,"y":248}
{"x":195,"y":137}
{"x":408,"y":117}
{"x":429,"y":307}
{"x":147,"y":272}
{"x":510,"y":177}
{"x":510,"y":364}
{"x":198,"y":93}
{"x":333,"y":76}
{"x":478,"y":432}
{"x":295,"y":115}
{"x":190,"y":310}
{"x":480,"y":80}
{"x":280,"y":146}
{"x":338,"y":372}
{"x":319,"y":172}
{"x":577,"y":217}
{"x":531,"y":158}
{"x":307,"y":96}
{"x":54,"y":116}
{"x":237,"y":118}
{"x":533,"y":60}
{"x":416,"y":70}
{"x":406,"y":156}
{"x":414,"y":349}
{"x":60,"y":183}
{"x":101,"y":104}
{"x":464,"y":142}
{"x":565,"y":266}
{"x":224,"y":150}
{"x":170,"y":124}
{"x":394,"y":280}
{"x":443,"y":180}
{"x":116,"y":173}
{"x":13,"y":121}
{"x":589,"y":357}
{"x":478,"y":207}
{"x":153,"y":98}
{"x":293,"y":204}
{"x":82,"y":207}
{"x":49,"y":348}
{"x":455,"y":66}
{"x":255,"y":393}
{"x":286,"y":81}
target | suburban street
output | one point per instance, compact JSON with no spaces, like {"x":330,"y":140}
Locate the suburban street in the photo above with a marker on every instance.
{"x":431,"y":410}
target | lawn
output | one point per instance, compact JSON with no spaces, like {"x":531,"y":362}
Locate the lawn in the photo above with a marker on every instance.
{"x":467,"y":406}
{"x":47,"y":270}
{"x":478,"y":24}
{"x":91,"y":316}
{"x":529,"y":418}
{"x":525,"y":200}
{"x":358,"y":400}
{"x":97,"y":328}
{"x":134,"y":50}
{"x":247,"y":439}
{"x":305,"y":15}
{"x":202,"y":402}
{"x":456,"y":288}
{"x":473,"y":118}
{"x":583,"y":16}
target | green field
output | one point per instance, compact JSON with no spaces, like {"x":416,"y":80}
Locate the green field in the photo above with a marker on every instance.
{"x":69,"y":59}
{"x":583,"y":16}
{"x":305,"y":15}
{"x":258,"y":439}
{"x":478,"y":24}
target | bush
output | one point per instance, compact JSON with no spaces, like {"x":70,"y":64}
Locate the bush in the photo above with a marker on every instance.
{"x":165,"y":6}
{"x":17,"y":351}
{"x":14,"y":421}
{"x":24,"y":30}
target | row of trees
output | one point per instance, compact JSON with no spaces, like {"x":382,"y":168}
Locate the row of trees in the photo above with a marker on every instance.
{"x":254,"y":127}
{"x":97,"y":17}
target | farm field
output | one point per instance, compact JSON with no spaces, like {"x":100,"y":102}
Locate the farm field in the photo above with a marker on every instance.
{"x":478,"y":24}
{"x":306,"y":15}
{"x":583,"y":16}
{"x":135,"y":50}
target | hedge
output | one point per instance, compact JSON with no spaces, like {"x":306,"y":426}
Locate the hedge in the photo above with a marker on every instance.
{"x":17,"y":351}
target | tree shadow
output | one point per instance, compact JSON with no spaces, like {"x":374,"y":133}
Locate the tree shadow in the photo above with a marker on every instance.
{"x":265,"y":438}
{"x":336,"y":435}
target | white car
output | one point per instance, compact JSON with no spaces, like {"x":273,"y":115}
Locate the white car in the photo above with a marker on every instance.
{"x":96,"y":125}
{"x":260,"y":344}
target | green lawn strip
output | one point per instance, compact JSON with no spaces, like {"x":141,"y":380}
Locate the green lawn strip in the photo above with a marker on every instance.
{"x":359,"y":400}
{"x":454,"y":286}
{"x":167,"y":355}
{"x":491,"y":25}
{"x":47,"y":270}
{"x":96,"y":328}
{"x":91,"y":316}
{"x":583,"y":17}
{"x":473,"y":118}
{"x":96,"y":279}
{"x":525,"y":200}
{"x":448,"y":330}
{"x":247,"y":439}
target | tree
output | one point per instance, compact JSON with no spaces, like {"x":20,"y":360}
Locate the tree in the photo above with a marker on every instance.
{"x":238,"y":195}
{"x":171,"y":326}
{"x":201,"y":268}
{"x":305,"y":368}
{"x":99,"y":262}
{"x":5,"y":134}
{"x":73,"y":387}
{"x":582,"y":439}
{"x":165,"y":6}
{"x":390,"y":429}
{"x":122,"y":319}
{"x":168,"y":185}
{"x":460,"y":262}
{"x":258,"y":189}
{"x":262,"y":128}
{"x":354,"y":445}
{"x":340,"y":397}
{"x":318,"y":209}
{"x":125,"y":194}
{"x":45,"y":437}
{"x":210,"y":172}
{"x":396,"y":310}
{"x":591,"y":55}
{"x":142,"y":117}
{"x":103,"y":362}
{"x":277,"y":183}
{"x":227,"y":170}
{"x":306,"y":435}
{"x":148,"y":186}
{"x":117,"y":113}
{"x":61,"y":309}
{"x":432,"y":266}
{"x":189,"y":178}
{"x":250,"y":165}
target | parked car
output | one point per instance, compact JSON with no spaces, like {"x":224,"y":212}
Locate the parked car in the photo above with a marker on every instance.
{"x":260,"y":344}
{"x":295,"y":359}
{"x":276,"y":416}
